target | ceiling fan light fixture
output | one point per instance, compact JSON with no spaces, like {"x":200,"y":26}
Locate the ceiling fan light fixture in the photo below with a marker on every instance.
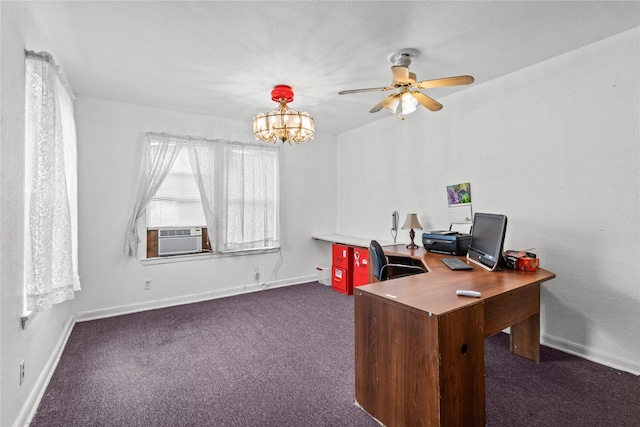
{"x":283,"y":124}
{"x":392,"y":104}
{"x":406,"y":101}
{"x":409,"y":103}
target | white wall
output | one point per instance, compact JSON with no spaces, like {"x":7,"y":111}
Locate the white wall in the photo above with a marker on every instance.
{"x":555,"y":147}
{"x":110,"y":139}
{"x":43,"y":339}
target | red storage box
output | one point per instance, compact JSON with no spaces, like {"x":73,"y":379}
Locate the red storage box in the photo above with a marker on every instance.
{"x":360,"y":260}
{"x":340,"y":280}
{"x":360,"y":266}
{"x":341,"y":255}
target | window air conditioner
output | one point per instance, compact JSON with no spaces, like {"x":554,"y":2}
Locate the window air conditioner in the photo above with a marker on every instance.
{"x":176,"y":241}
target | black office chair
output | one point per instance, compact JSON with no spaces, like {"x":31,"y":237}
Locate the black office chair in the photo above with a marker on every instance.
{"x":383,"y":270}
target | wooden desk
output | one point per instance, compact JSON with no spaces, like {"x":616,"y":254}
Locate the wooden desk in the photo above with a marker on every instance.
{"x":419,"y":348}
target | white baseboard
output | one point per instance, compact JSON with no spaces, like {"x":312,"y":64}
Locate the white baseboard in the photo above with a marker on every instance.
{"x":603,"y":358}
{"x":33,"y":399}
{"x":187,"y":299}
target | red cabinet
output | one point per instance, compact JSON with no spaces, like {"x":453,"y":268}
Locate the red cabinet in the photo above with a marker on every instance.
{"x":341,"y":271}
{"x":342,"y":255}
{"x":350,"y":267}
{"x":360,"y":266}
{"x":341,"y":280}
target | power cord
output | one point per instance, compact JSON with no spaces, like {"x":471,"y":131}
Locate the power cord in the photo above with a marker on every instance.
{"x":275,"y":267}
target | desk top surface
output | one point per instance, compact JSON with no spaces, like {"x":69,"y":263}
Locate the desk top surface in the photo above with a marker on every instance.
{"x":347,"y":240}
{"x":435,"y":292}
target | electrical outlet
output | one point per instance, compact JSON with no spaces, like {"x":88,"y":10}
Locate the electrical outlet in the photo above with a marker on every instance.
{"x":21,"y":372}
{"x":256,"y":273}
{"x":147,"y":285}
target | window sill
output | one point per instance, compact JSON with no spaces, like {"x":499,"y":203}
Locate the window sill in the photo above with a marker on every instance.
{"x":26,"y":317}
{"x":205,"y":256}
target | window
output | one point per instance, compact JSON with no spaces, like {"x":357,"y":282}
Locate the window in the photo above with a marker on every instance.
{"x":51,"y":198}
{"x":250,"y":197}
{"x":177,"y":202}
{"x":231,"y":188}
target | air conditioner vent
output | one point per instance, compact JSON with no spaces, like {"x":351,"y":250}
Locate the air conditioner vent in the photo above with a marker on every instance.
{"x":177,"y":241}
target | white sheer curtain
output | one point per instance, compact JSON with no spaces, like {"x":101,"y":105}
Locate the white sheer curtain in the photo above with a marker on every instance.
{"x":238,"y":186}
{"x":250,"y":189}
{"x":202,"y":156}
{"x":159,"y":154}
{"x":51,"y":198}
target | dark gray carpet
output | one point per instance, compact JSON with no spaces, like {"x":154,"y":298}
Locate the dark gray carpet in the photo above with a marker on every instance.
{"x":284,"y":357}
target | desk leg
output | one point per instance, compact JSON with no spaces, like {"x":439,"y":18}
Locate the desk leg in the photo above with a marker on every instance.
{"x":525,"y":338}
{"x":462,"y":381}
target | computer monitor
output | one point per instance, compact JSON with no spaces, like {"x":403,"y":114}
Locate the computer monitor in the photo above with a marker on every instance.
{"x":487,"y":238}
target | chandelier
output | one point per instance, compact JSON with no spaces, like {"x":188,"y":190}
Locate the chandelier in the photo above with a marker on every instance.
{"x":283,"y":123}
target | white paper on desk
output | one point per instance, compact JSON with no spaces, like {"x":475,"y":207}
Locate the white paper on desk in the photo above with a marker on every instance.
{"x":461,"y":227}
{"x":460,"y":214}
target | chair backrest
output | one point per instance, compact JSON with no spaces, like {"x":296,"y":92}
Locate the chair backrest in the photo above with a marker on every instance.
{"x":378,"y":258}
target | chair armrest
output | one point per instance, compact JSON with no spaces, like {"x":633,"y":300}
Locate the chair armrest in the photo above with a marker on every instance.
{"x":401,"y":259}
{"x":409,"y":267}
{"x":400,"y":270}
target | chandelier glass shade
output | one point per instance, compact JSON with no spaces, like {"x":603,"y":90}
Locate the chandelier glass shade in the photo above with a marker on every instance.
{"x":283,"y":123}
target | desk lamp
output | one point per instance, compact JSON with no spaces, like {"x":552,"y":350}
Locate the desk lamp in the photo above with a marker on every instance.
{"x":410,"y":223}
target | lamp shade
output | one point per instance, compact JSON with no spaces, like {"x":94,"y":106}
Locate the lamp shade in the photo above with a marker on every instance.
{"x":283,"y":123}
{"x":409,"y":103}
{"x":401,"y":103}
{"x":392,"y":104}
{"x":412,"y":222}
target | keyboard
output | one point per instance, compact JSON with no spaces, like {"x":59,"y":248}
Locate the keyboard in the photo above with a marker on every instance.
{"x":456,"y":264}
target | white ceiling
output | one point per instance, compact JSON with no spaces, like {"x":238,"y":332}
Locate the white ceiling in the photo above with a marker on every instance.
{"x":222,"y":58}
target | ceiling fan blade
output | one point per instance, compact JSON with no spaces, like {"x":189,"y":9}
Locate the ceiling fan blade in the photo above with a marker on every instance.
{"x":371,"y":89}
{"x":400,"y":73}
{"x":426,"y":101}
{"x":447,"y":81}
{"x":385,"y":102}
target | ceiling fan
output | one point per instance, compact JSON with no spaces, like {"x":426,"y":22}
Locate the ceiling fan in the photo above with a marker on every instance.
{"x":405,"y":100}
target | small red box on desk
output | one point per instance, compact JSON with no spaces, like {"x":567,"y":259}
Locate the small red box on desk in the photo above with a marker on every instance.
{"x":521,"y":260}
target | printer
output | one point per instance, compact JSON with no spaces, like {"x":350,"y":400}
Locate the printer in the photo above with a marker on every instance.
{"x":446,"y":242}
